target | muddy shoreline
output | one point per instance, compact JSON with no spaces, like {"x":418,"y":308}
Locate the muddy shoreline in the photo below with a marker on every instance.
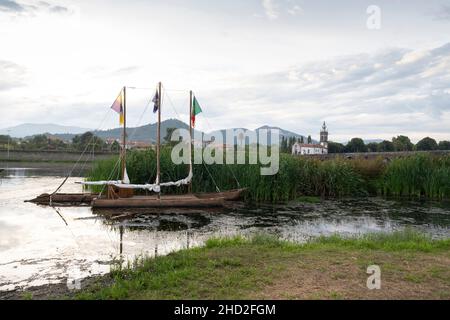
{"x":55,"y":291}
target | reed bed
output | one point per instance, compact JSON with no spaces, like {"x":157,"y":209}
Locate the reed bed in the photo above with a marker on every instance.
{"x":422,"y":175}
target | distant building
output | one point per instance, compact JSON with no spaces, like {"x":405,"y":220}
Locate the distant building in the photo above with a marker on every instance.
{"x":312,"y":149}
{"x":324,"y":136}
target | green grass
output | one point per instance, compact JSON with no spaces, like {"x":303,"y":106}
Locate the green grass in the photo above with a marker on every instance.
{"x":238,"y":267}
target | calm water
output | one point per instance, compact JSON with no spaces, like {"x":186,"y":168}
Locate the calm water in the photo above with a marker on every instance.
{"x":40,"y":245}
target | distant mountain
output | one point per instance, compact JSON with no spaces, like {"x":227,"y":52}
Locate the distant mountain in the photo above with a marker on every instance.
{"x":283,"y":133}
{"x":31,"y":129}
{"x":146,"y":133}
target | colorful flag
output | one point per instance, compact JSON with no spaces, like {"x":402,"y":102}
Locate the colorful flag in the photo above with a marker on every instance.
{"x":156,"y":102}
{"x":118,"y":107}
{"x":195,"y":111}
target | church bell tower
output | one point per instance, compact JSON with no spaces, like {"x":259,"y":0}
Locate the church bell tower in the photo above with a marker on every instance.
{"x":324,"y":135}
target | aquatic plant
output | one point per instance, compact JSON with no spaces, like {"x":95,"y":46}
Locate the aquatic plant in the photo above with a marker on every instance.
{"x":422,"y":175}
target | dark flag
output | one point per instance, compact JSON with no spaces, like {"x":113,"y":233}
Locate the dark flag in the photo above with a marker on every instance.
{"x":156,"y":102}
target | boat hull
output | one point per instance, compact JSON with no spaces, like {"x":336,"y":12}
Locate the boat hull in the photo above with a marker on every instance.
{"x":229,"y":195}
{"x":67,"y":198}
{"x":154,"y":202}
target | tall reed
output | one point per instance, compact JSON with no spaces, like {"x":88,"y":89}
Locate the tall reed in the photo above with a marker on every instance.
{"x":422,"y":175}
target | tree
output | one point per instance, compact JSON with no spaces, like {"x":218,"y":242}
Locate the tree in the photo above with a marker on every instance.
{"x":356,"y":145}
{"x":336,"y":147}
{"x":39,"y":141}
{"x":309,"y":139}
{"x":385,"y":146}
{"x":302,"y":139}
{"x":115,"y":146}
{"x":4,"y":139}
{"x":372,"y":147}
{"x":88,"y":141}
{"x":444,"y":145}
{"x":427,"y":144}
{"x":402,"y":143}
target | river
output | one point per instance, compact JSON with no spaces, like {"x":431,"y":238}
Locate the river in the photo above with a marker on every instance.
{"x":43,"y":245}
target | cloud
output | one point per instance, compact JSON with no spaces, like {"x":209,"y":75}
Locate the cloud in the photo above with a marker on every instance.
{"x":274,"y":8}
{"x":271,"y":9}
{"x":443,"y":13}
{"x":8,"y":5}
{"x":11,"y":75}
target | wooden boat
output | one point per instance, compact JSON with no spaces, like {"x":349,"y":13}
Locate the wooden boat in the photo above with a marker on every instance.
{"x":65,"y":198}
{"x":174,"y":201}
{"x":229,"y":195}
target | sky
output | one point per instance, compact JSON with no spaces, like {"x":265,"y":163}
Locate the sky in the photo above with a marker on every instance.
{"x":286,"y":63}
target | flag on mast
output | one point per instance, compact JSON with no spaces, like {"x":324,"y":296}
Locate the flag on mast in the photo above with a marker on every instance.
{"x":118,"y":107}
{"x":156,"y":102}
{"x":196,"y":109}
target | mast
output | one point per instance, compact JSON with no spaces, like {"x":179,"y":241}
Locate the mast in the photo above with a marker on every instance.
{"x":124,"y":138}
{"x":190,"y":139}
{"x":158,"y":139}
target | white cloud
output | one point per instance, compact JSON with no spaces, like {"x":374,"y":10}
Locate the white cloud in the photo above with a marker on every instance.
{"x":271,"y":9}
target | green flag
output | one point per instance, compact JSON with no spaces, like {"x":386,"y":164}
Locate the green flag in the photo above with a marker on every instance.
{"x":196,"y":109}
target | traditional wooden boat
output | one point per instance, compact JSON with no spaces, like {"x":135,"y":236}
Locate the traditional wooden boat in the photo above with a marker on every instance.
{"x":229,"y":195}
{"x":64,"y":198}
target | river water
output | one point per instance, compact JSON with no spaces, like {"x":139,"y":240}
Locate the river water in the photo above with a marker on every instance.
{"x":42,"y":245}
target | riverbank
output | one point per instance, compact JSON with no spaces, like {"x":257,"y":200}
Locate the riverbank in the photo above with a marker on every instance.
{"x":412,"y":267}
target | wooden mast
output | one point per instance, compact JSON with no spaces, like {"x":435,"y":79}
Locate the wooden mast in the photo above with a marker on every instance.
{"x":190,"y":139}
{"x":124,"y":138}
{"x":158,"y":140}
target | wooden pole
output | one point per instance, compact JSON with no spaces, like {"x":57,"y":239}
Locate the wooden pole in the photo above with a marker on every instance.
{"x":124,"y":138}
{"x":158,"y":140}
{"x":190,"y":139}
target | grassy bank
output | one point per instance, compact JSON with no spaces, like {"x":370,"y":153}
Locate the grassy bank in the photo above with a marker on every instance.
{"x":412,"y":266}
{"x":416,"y":176}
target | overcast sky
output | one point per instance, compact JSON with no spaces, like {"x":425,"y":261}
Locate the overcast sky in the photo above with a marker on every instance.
{"x":286,"y":63}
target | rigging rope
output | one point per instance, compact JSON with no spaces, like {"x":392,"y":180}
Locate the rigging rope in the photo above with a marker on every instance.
{"x":229,"y":168}
{"x":81,"y":156}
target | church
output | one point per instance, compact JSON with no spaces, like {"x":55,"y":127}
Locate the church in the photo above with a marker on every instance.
{"x":312,"y":149}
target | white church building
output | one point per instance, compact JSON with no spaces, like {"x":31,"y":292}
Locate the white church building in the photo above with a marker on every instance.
{"x":312,"y":149}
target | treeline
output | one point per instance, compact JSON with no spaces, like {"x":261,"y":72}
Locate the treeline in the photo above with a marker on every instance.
{"x":87,"y":141}
{"x":399,"y":143}
{"x":287,"y":143}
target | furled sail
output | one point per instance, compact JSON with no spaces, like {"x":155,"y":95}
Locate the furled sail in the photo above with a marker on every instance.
{"x":150,"y":187}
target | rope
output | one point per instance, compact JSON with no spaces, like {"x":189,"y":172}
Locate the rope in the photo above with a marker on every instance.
{"x":81,"y":156}
{"x":212,"y":178}
{"x":229,"y":168}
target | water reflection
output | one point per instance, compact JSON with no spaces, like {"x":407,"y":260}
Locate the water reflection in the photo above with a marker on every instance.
{"x":41,"y":245}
